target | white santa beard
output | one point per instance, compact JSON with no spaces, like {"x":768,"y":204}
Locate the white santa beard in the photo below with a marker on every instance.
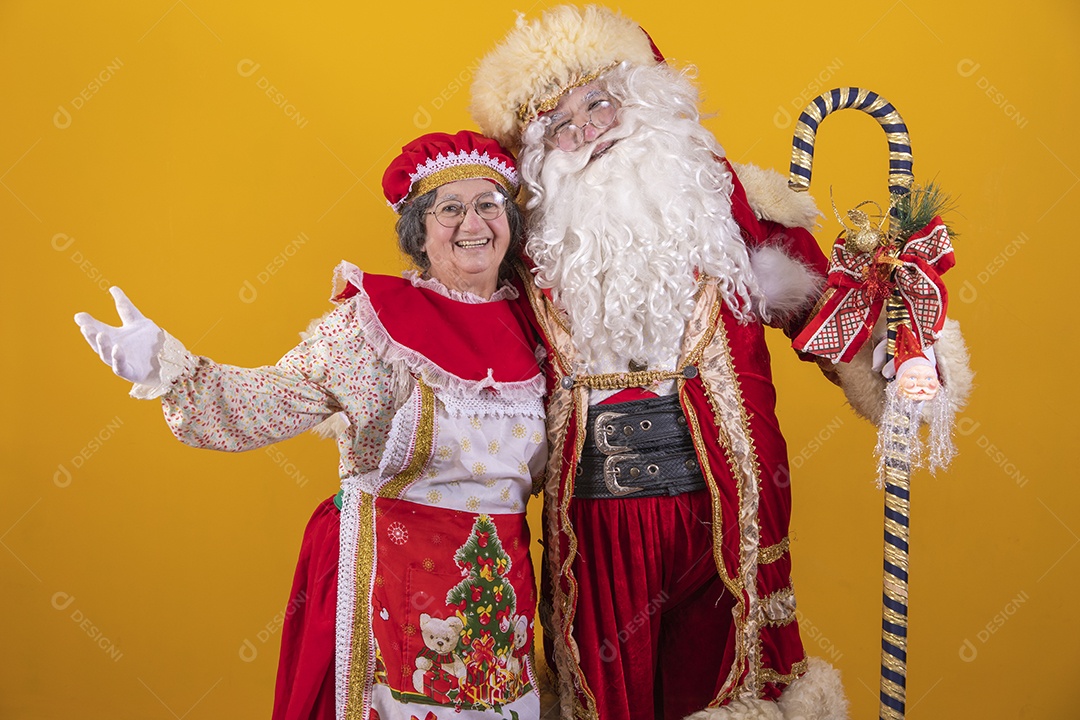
{"x":619,"y":239}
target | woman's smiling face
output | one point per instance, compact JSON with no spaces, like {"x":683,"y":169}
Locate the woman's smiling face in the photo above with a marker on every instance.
{"x":467,"y":257}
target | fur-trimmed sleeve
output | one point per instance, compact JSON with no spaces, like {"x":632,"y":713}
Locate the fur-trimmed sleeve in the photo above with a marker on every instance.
{"x":788,"y":264}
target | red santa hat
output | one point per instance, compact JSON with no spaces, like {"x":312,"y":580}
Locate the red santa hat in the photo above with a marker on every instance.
{"x":538,"y":61}
{"x":909,"y":353}
{"x":438,"y":158}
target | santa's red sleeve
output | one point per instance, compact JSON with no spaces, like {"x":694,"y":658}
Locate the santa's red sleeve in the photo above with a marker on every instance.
{"x":788,"y":264}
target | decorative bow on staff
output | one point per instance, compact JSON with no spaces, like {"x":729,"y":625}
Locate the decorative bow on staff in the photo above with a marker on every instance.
{"x":861,"y":281}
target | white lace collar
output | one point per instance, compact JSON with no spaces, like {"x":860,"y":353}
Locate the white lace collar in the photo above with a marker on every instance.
{"x":506,"y":292}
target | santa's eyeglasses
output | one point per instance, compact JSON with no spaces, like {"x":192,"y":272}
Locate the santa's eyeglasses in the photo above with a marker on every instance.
{"x":569,"y":137}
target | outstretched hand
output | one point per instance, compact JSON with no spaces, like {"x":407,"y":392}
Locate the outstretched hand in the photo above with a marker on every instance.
{"x":131,"y":350}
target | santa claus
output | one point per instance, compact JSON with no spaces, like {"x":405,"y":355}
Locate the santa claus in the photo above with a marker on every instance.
{"x":657,"y":265}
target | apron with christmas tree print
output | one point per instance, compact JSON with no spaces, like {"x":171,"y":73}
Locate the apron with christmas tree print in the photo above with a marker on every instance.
{"x":436,"y":595}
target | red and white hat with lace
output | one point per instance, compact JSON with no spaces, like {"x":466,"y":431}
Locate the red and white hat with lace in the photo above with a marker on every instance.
{"x":438,"y":158}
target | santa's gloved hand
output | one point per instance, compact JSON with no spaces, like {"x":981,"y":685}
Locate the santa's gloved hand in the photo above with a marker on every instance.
{"x":131,"y":350}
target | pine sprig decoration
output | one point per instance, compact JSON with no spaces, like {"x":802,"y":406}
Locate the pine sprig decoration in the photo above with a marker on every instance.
{"x":917,"y":208}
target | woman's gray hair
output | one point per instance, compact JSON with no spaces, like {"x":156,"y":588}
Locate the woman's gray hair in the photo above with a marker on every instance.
{"x":412,"y":229}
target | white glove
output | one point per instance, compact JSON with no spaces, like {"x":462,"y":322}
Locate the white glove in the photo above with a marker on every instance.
{"x":131,"y":350}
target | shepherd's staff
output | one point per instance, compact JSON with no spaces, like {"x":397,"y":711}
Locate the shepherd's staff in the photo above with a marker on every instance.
{"x":899,"y":270}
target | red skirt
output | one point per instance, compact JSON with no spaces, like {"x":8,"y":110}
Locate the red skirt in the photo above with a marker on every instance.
{"x":305,"y":678}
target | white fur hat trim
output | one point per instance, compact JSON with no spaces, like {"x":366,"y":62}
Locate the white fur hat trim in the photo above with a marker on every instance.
{"x":540,"y":60}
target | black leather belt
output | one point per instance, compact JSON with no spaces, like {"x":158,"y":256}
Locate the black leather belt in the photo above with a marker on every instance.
{"x":640,"y":448}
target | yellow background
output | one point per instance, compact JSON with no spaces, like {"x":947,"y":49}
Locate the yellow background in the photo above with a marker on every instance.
{"x":142,"y":579}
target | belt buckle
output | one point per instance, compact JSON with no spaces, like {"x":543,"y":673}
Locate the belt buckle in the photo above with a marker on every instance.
{"x":614,"y":453}
{"x":611,"y":474}
{"x":600,"y":433}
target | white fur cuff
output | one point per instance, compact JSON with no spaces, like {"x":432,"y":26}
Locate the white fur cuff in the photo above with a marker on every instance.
{"x":816,"y":695}
{"x":787,"y":286}
{"x":771,"y":199}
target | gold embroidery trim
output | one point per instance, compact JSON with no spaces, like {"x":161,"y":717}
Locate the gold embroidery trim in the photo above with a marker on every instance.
{"x":618,"y":381}
{"x":425,"y":441}
{"x":732,"y":584}
{"x":581,"y":713}
{"x":556,"y":513}
{"x":828,"y":293}
{"x":528,"y":111}
{"x":694,"y":357}
{"x":543,"y":312}
{"x":361,"y":667}
{"x":787,"y":619}
{"x":707,"y":294}
{"x":581,"y":407}
{"x":556,"y":430}
{"x":772,"y":553}
{"x":748,"y":491}
{"x":457,"y":172}
{"x":768,"y":675}
{"x":731,"y":683}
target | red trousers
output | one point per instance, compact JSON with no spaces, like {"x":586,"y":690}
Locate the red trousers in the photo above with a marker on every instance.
{"x":654,"y":621}
{"x":305,"y":678}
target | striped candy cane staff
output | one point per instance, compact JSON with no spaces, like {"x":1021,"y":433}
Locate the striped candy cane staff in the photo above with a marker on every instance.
{"x":898,"y":469}
{"x":802,"y":145}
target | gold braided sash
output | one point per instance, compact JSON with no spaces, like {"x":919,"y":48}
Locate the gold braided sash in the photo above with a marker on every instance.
{"x":623,"y":380}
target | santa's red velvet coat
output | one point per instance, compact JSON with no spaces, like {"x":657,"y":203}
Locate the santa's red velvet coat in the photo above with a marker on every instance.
{"x":730,"y":409}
